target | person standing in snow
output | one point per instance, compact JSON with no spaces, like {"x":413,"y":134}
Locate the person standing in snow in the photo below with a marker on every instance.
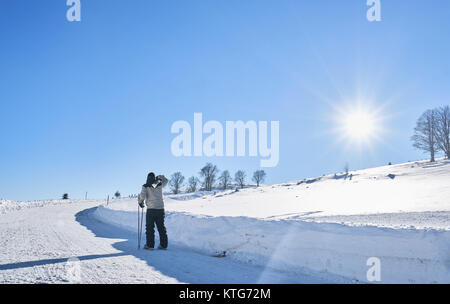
{"x":151,"y":194}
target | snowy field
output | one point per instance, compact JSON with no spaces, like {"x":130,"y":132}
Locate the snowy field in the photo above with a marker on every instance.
{"x":8,"y":206}
{"x":411,"y":188}
{"x":317,"y":230}
{"x":331,"y":224}
{"x":66,"y":244}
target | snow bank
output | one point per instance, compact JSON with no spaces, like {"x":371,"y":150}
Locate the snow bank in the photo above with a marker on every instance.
{"x":332,"y":224}
{"x":406,"y":255}
{"x":417,"y":187}
{"x":8,"y":206}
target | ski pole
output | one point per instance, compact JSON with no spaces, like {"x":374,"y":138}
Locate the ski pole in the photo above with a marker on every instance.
{"x":139,"y":227}
{"x":140,"y":224}
{"x":142,"y":221}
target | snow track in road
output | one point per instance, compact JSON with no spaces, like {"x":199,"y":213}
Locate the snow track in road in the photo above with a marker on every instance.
{"x":37,"y":243}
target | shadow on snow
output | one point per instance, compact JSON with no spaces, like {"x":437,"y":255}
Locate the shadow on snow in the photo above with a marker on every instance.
{"x":56,"y":261}
{"x":181,"y":263}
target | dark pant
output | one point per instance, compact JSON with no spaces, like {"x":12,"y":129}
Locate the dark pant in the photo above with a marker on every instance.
{"x":155,"y":216}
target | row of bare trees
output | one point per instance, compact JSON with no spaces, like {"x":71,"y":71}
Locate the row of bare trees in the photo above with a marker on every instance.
{"x":210,"y":178}
{"x":432,"y":132}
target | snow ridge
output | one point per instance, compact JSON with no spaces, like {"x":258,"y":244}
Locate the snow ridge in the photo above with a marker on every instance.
{"x":407,"y":255}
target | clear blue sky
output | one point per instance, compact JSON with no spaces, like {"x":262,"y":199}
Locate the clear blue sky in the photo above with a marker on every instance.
{"x":88,"y":106}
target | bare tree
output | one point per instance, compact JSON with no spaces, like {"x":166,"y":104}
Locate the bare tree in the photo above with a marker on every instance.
{"x":239,"y":178}
{"x":176,"y":181}
{"x":225,"y":179}
{"x":443,"y":130}
{"x":424,"y":137}
{"x":193,"y":183}
{"x":258,"y":177}
{"x":209,"y":173}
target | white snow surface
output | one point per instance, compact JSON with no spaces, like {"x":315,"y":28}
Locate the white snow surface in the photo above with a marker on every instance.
{"x":318,"y":230}
{"x":67,"y":244}
{"x":331,"y":225}
{"x":8,"y":205}
{"x":415,"y":187}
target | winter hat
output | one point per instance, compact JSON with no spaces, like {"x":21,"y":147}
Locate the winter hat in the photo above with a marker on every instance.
{"x":150,"y":179}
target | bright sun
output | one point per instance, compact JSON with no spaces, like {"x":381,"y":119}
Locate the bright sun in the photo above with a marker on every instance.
{"x":359,"y":125}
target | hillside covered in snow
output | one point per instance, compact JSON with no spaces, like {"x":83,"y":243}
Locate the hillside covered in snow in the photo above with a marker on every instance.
{"x":330,"y":224}
{"x":410,"y":195}
{"x":316,"y":230}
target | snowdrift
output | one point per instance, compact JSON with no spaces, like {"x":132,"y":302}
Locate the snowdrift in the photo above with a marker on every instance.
{"x":410,"y":187}
{"x":9,"y":206}
{"x":406,"y":255}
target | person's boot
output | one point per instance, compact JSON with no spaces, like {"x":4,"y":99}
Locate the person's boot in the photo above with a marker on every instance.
{"x":146,"y":247}
{"x":161,"y":247}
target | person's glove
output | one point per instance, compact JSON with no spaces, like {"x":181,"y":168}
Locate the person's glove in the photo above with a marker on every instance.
{"x":141,"y":204}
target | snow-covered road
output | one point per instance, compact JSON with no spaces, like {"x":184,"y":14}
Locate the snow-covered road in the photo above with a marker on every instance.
{"x":37,"y":243}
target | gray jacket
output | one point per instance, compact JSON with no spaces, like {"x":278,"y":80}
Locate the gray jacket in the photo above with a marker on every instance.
{"x":153,"y":197}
